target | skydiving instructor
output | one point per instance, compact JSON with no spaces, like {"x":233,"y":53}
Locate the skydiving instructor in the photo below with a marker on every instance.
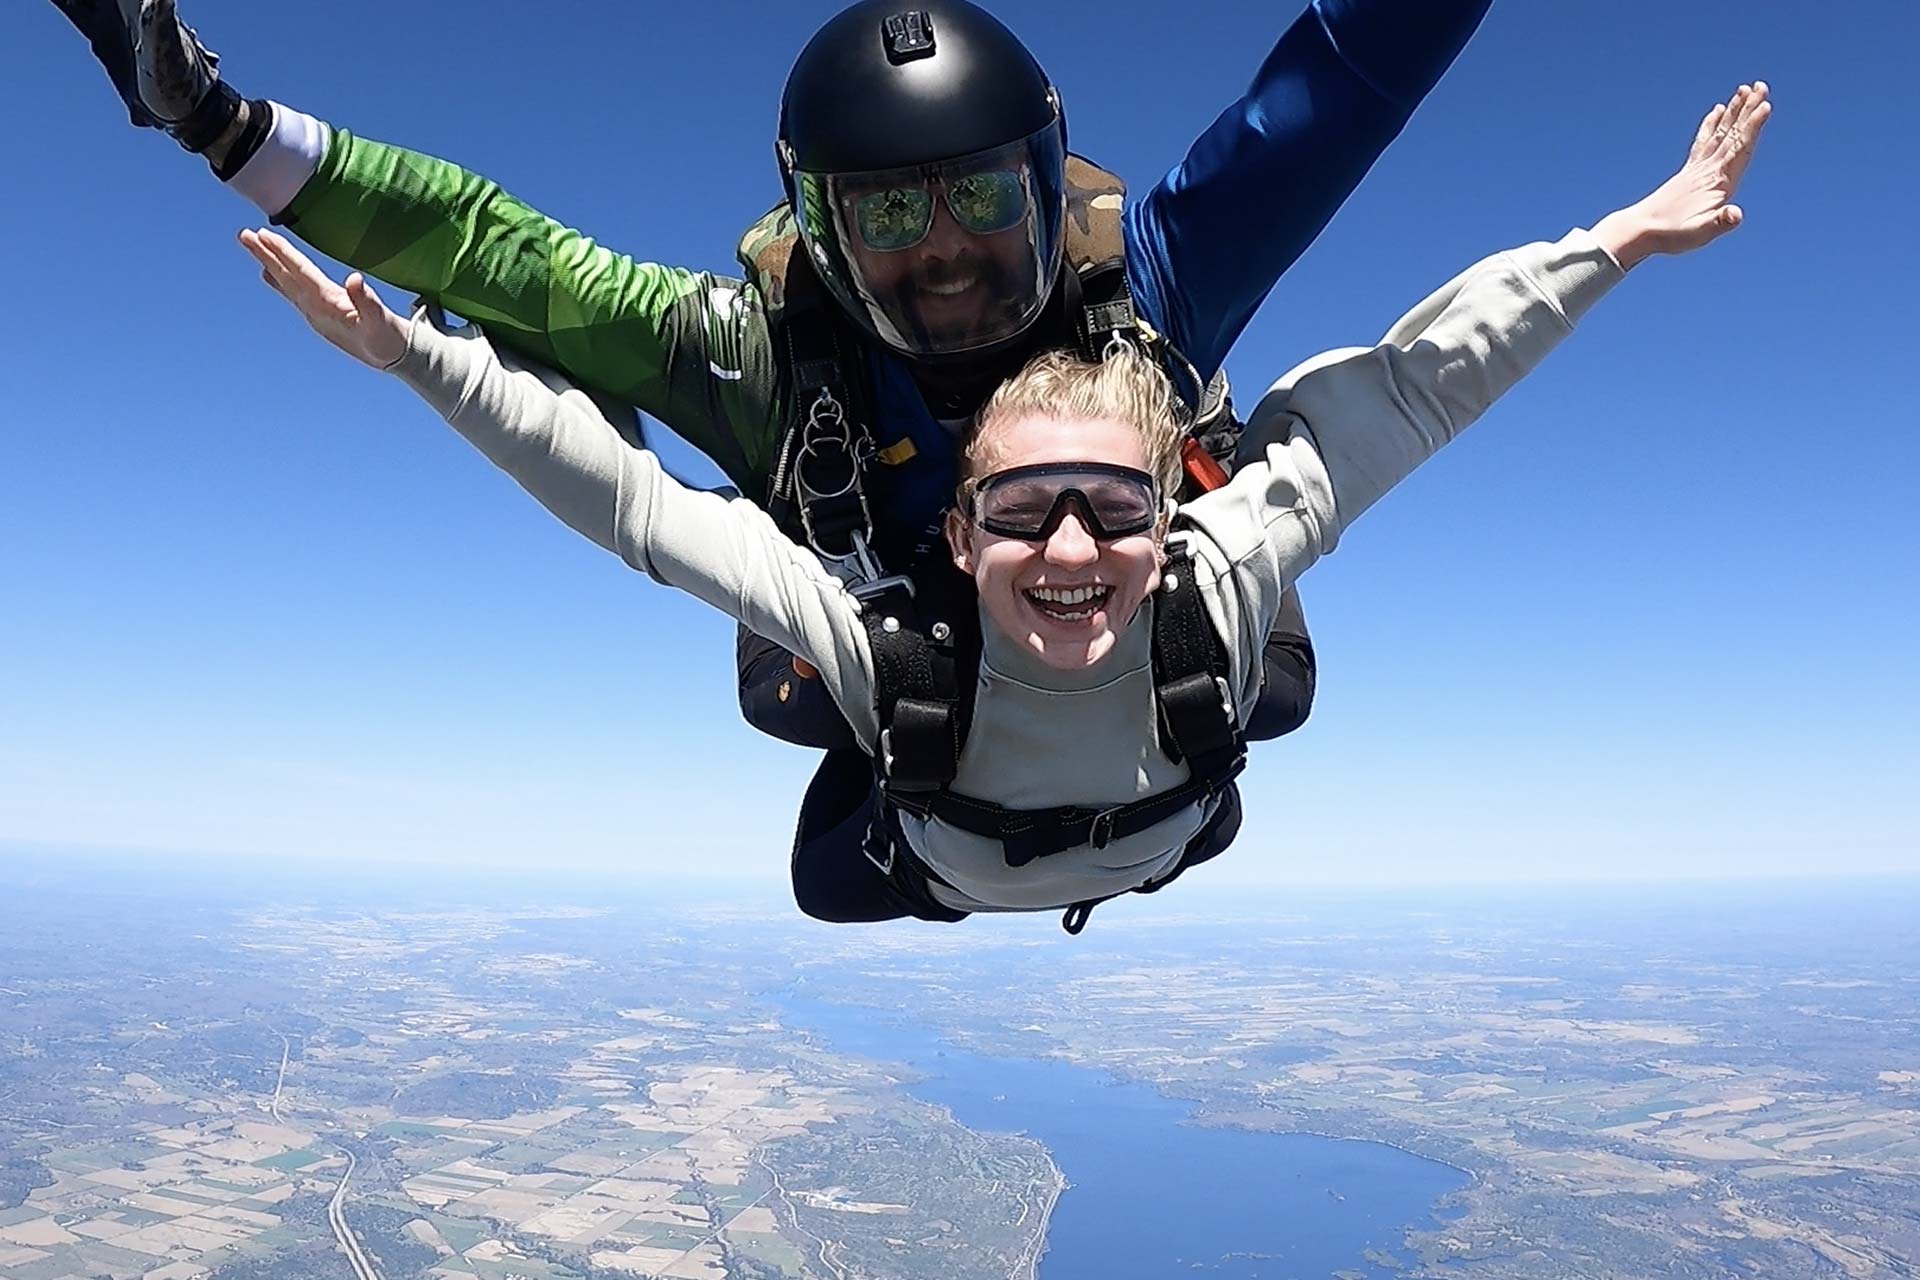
{"x":934,"y":236}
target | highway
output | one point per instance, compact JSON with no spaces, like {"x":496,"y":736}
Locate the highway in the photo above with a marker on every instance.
{"x":337,"y":1218}
{"x":273,"y":1108}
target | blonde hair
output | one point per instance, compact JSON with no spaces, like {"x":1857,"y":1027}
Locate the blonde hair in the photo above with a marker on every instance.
{"x":1125,"y":387}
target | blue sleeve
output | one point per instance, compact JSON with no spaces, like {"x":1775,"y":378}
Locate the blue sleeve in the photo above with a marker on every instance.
{"x":1206,"y":245}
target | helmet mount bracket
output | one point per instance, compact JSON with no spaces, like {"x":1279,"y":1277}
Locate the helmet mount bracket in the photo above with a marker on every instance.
{"x":908,"y":36}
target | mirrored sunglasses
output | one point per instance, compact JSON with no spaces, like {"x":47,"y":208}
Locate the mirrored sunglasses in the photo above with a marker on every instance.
{"x":899,"y":217}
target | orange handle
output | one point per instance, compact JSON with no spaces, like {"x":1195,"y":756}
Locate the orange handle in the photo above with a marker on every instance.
{"x":1201,"y":467}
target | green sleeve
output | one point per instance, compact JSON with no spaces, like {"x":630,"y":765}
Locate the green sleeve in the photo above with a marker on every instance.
{"x":689,"y":348}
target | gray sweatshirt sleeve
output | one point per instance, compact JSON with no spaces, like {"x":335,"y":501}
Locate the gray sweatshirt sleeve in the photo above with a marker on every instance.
{"x":1338,"y":431}
{"x":557,"y":444}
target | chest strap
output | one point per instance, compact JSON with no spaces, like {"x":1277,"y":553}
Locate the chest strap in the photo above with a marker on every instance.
{"x":1028,"y":834}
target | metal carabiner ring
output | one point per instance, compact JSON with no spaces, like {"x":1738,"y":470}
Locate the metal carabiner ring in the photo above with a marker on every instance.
{"x":845,"y":447}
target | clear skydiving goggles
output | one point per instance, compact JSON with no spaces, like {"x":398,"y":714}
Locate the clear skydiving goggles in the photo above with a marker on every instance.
{"x":1029,"y":503}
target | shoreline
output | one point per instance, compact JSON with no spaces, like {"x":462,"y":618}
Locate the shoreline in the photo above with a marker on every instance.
{"x":1474,"y":1178}
{"x":1030,"y":1268}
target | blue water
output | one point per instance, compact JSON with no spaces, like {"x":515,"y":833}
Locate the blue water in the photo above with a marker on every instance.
{"x":1149,"y":1194}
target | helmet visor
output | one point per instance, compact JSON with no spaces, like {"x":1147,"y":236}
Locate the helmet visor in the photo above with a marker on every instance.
{"x":941,"y":258}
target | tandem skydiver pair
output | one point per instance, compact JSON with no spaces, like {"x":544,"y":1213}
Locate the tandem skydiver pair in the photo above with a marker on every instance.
{"x":904,"y":276}
{"x":1111,"y":634}
{"x":935,"y":252}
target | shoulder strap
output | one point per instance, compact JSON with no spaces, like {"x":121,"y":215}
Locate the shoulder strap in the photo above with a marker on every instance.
{"x":924,"y":632}
{"x":1197,"y":720}
{"x":1099,"y":304}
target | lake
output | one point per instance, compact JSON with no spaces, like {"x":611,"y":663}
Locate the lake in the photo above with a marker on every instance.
{"x":1150,"y":1194}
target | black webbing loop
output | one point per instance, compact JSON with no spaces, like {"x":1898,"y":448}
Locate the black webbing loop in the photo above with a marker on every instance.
{"x":922,"y":751}
{"x":922,"y":710}
{"x":1188,"y":671}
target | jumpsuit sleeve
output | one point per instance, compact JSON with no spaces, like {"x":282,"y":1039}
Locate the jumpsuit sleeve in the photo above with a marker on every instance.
{"x":1206,"y":245}
{"x":557,"y":445}
{"x":1289,"y":675}
{"x":782,"y":703}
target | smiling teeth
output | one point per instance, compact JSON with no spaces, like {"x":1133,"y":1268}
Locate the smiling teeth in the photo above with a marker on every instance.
{"x":1078,"y":595}
{"x":948,"y":290}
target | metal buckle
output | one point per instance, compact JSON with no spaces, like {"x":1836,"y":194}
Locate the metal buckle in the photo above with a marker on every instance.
{"x":1100,"y":834}
{"x":872,"y":581}
{"x":882,"y":821}
{"x":885,"y":868}
{"x":865,"y":591}
{"x":816,"y":448}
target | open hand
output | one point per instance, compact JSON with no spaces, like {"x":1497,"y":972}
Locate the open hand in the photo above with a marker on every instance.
{"x":1695,"y":206}
{"x":352,"y":318}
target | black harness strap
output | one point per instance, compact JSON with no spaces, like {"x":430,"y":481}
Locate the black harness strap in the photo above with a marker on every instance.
{"x":925,"y":638}
{"x":1099,"y":307}
{"x":920,"y":741}
{"x":1196,"y":717}
{"x":1029,"y":834}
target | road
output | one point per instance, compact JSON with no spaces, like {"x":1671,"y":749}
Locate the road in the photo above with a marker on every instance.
{"x":273,"y":1108}
{"x":337,"y":1219}
{"x":825,"y":1247}
{"x":1028,"y":1268}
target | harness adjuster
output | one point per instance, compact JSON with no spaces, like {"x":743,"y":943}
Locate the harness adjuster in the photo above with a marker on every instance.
{"x":883,"y":865}
{"x":865,"y":591}
{"x":1100,"y":833}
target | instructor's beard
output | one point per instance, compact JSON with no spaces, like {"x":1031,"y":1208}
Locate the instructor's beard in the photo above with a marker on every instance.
{"x":993,"y":295}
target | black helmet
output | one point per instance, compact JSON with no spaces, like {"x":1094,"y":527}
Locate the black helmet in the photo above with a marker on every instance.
{"x":924,"y":152}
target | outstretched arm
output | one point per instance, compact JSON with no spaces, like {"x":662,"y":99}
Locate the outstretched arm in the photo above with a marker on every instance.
{"x":1207,"y":243}
{"x":1338,"y":431}
{"x":554,"y":441}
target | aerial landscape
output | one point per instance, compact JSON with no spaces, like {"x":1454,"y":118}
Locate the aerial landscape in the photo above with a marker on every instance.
{"x":217,"y":1085}
{"x":517,"y":515}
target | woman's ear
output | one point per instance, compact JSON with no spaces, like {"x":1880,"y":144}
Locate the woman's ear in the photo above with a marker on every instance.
{"x":959,"y":533}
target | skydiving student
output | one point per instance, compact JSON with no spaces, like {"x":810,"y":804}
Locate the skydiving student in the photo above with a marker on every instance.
{"x":1115,"y":634}
{"x":934,"y":237}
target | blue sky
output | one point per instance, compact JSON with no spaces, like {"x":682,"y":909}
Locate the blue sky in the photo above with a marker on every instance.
{"x":1654,"y":617}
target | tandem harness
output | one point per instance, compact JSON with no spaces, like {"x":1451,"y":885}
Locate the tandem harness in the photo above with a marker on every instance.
{"x":924,"y":626}
{"x":925,"y":635}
